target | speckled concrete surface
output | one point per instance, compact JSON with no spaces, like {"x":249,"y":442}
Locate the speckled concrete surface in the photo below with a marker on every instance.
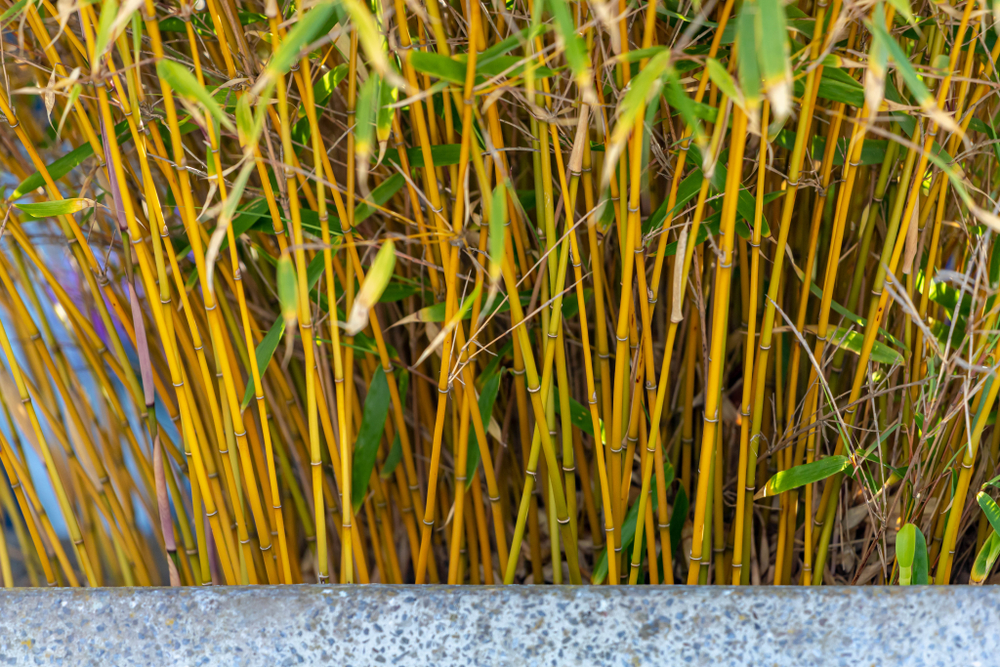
{"x":439,"y":625}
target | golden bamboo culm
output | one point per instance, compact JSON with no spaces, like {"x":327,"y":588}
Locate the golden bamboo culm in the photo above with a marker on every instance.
{"x":534,"y":292}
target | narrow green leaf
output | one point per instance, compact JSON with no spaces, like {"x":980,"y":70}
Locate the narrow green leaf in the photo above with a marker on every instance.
{"x":573,"y":45}
{"x":773,"y":55}
{"x":579,"y":415}
{"x":443,"y":155}
{"x":498,"y":220}
{"x":720,"y":77}
{"x":985,"y":560}
{"x":47,"y":209}
{"x":437,"y":65}
{"x":800,"y":475}
{"x":370,"y":37}
{"x":371,"y":290}
{"x":187,"y":86}
{"x":628,"y":536}
{"x":108,"y":13}
{"x":677,"y":518}
{"x":911,"y":554}
{"x":364,"y":119}
{"x":746,"y":63}
{"x":396,"y":450}
{"x":990,"y":509}
{"x":288,"y":292}
{"x":264,"y":353}
{"x":15,"y":10}
{"x":853,"y":340}
{"x":305,"y":31}
{"x":487,"y":398}
{"x":373,"y":417}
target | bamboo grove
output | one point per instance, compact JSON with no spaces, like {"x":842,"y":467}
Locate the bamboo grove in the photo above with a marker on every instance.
{"x":539,"y":291}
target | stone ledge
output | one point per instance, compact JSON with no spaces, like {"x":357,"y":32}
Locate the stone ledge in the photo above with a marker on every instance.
{"x":515,"y":625}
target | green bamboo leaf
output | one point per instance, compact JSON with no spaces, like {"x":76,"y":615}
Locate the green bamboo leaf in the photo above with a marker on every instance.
{"x":187,"y":86}
{"x":67,"y":163}
{"x":921,"y":94}
{"x":396,"y":449}
{"x":444,"y":155}
{"x":746,"y":62}
{"x":244,"y":121}
{"x":373,"y":417}
{"x":364,"y":119}
{"x":579,"y":415}
{"x":305,"y":31}
{"x":371,"y":290}
{"x":109,"y":11}
{"x":911,"y":554}
{"x":642,"y":88}
{"x":491,"y":387}
{"x":677,"y":518}
{"x":628,"y":536}
{"x":720,"y":77}
{"x":904,"y":9}
{"x":74,"y":95}
{"x":203,"y":27}
{"x":322,"y":91}
{"x":638,"y":55}
{"x":497,"y":236}
{"x":773,"y":55}
{"x":692,"y":113}
{"x":800,"y":475}
{"x":508,"y":67}
{"x":848,"y":339}
{"x":990,"y":509}
{"x":985,"y":560}
{"x":437,"y":65}
{"x":574,"y":48}
{"x":15,"y":10}
{"x":388,"y":95}
{"x":256,"y":216}
{"x":288,"y":289}
{"x":995,"y":264}
{"x":48,"y":209}
{"x":502,"y":48}
{"x":371,"y":39}
{"x":264,"y":353}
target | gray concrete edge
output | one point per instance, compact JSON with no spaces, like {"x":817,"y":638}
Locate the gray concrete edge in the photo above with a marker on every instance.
{"x":515,"y":625}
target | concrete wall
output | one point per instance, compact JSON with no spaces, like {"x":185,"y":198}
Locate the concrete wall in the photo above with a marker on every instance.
{"x":517,"y":625}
